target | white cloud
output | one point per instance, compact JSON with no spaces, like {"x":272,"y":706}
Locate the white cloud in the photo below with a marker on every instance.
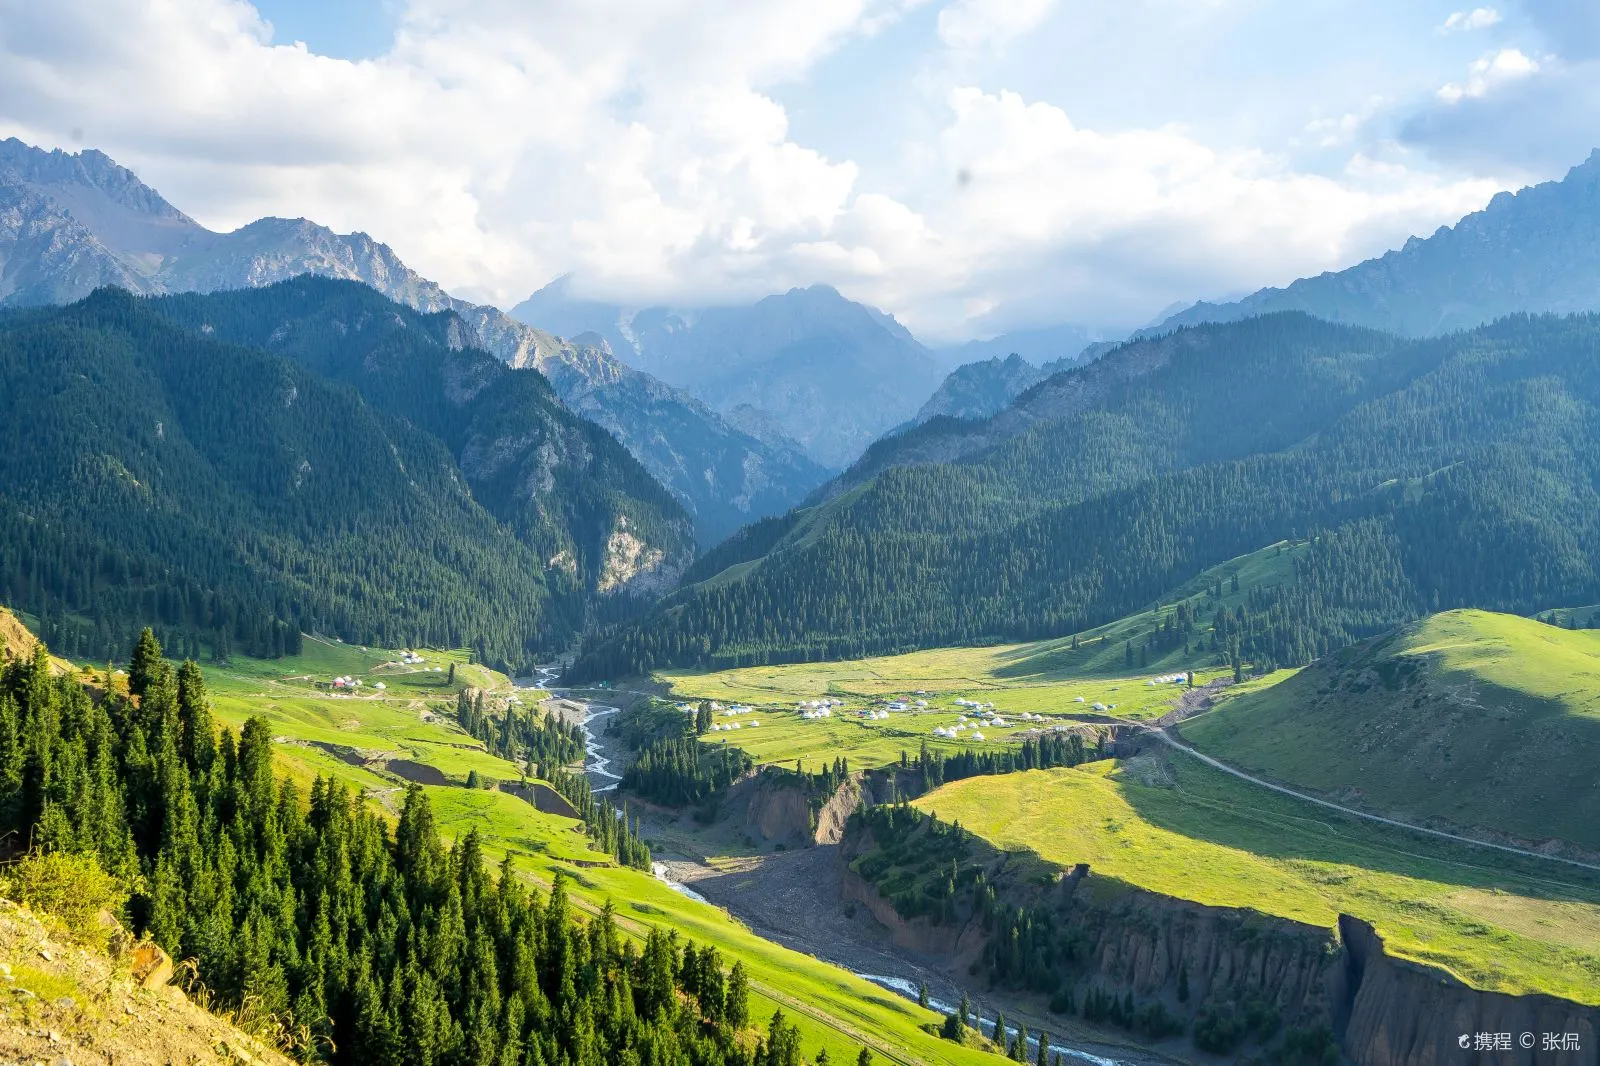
{"x":1479,"y":18}
{"x":969,"y":24}
{"x":640,"y":146}
{"x":1488,"y":72}
{"x":1081,"y":225}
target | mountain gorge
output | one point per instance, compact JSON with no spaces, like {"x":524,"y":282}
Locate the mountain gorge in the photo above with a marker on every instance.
{"x":809,"y":365}
{"x":70,"y":223}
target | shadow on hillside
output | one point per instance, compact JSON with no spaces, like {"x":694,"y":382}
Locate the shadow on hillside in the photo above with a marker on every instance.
{"x":1210,"y":806}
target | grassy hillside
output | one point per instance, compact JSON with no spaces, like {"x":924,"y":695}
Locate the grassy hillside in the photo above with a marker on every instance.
{"x":1186,"y":830}
{"x":1481,"y":720}
{"x":1061,"y":678}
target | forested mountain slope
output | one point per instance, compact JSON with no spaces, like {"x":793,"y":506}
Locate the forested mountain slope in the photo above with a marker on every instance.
{"x":1291,"y":349}
{"x":73,"y":222}
{"x":564,"y":485}
{"x":1450,"y":472}
{"x":152,"y":475}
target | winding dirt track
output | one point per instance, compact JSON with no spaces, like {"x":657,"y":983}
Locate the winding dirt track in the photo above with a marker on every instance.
{"x":1173,"y":742}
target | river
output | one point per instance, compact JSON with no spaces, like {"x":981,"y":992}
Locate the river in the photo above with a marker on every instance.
{"x":597,"y":765}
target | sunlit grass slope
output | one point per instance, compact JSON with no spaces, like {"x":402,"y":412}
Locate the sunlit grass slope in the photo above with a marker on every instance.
{"x":833,"y":1009}
{"x":1497,"y":922}
{"x":1485,"y":721}
{"x":1050,"y":677}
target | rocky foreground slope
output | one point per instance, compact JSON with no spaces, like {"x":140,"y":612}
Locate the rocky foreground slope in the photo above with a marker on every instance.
{"x":61,"y":1002}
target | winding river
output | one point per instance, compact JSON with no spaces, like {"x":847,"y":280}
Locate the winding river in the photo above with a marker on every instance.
{"x":597,"y":765}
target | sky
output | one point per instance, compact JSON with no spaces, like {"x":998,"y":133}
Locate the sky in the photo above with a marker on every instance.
{"x":971,"y":166}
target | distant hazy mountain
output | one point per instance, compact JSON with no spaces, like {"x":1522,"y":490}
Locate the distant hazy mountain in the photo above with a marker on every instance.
{"x":987,"y":385}
{"x":1051,"y":344}
{"x":1535,"y":250}
{"x":811,"y":365}
{"x":70,"y":223}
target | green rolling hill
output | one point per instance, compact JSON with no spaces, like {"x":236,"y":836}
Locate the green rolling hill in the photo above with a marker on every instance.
{"x":1488,"y":722}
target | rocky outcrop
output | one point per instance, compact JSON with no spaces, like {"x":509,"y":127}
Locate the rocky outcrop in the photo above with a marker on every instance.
{"x":67,"y":998}
{"x":1392,"y":1012}
{"x":779,"y":814}
{"x":774,"y":808}
{"x":834,"y":815}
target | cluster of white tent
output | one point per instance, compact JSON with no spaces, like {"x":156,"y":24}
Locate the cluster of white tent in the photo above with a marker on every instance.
{"x":346,"y":681}
{"x":410,"y":658}
{"x":1169,"y":679}
{"x":871,"y":715}
{"x":821,"y":712}
{"x":954,"y":732}
{"x":725,"y":727}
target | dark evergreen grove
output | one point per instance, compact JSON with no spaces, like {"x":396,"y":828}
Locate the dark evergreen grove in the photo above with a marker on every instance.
{"x":155,"y":472}
{"x":1458,"y":471}
{"x":366,"y":946}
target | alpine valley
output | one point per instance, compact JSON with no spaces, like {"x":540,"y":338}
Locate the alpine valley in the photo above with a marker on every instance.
{"x":407,"y":682}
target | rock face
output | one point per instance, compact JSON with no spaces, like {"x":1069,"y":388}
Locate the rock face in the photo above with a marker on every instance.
{"x":775,"y":809}
{"x":71,"y":223}
{"x":978,"y":390}
{"x":806,"y":365}
{"x":1397,"y":1013}
{"x":1535,"y":250}
{"x":1182,"y":955}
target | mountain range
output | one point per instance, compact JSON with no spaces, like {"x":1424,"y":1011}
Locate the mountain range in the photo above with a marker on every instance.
{"x":807,"y":365}
{"x":71,"y":223}
{"x":1532,"y":250}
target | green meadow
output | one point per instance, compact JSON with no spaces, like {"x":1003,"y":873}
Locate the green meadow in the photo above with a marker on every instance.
{"x":1062,"y":678}
{"x":1180,"y":828}
{"x":1482,"y":721}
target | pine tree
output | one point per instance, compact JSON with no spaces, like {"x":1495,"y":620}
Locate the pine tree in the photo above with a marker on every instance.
{"x":738,"y":1000}
{"x":144,"y":663}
